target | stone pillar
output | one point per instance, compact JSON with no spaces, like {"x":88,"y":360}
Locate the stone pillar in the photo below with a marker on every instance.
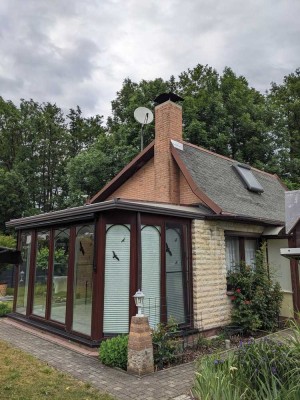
{"x":140,"y":349}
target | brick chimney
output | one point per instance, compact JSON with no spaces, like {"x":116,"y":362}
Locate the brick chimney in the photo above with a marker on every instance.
{"x":168,"y":125}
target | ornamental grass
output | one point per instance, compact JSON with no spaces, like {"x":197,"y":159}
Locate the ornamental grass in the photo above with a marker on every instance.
{"x":264,"y":370}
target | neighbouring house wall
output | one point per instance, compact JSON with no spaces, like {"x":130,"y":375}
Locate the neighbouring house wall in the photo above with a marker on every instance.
{"x":281,"y":271}
{"x":212,"y":306}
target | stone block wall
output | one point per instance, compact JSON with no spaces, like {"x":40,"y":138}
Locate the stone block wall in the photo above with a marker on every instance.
{"x":212,"y":306}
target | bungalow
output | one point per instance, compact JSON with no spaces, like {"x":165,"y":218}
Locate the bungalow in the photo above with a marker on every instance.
{"x":172,"y":223}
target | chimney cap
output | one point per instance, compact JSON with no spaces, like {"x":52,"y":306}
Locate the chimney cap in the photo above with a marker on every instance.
{"x":162,"y":98}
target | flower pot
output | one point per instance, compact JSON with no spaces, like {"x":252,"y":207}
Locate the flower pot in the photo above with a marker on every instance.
{"x":3,"y":287}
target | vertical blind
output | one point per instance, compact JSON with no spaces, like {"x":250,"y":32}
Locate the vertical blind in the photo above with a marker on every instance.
{"x":151,"y":267}
{"x":174,"y":275}
{"x":117,"y":271}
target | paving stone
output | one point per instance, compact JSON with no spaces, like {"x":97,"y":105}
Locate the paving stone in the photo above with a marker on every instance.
{"x":173,"y":383}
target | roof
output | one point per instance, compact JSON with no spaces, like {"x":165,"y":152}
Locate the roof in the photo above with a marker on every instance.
{"x":88,"y":211}
{"x":216,"y":178}
{"x":10,"y":256}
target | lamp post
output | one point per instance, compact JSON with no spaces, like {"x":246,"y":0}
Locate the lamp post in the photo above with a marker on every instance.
{"x":139,"y":302}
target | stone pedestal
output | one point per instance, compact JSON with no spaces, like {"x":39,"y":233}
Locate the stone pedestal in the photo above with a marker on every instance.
{"x":140,"y":349}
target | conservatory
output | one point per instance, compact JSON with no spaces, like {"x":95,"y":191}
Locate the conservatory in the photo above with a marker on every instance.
{"x":78,"y":278}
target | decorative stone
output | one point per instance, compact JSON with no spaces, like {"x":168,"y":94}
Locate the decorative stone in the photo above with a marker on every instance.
{"x":140,"y":349}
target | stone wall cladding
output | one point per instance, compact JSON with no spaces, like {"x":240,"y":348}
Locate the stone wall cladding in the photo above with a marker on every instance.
{"x":211,"y":304}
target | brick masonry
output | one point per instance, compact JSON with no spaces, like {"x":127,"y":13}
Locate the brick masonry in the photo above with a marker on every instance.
{"x":160,"y":178}
{"x":211,"y":304}
{"x":140,"y":349}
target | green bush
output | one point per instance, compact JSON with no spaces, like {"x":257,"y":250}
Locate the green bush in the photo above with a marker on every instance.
{"x":256,"y":297}
{"x":165,"y":343}
{"x":4,"y":309}
{"x":113,"y":352}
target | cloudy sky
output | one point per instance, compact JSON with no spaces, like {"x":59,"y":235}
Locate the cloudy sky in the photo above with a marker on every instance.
{"x":79,"y":52}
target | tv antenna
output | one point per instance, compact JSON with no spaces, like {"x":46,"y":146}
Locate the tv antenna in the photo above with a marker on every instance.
{"x":144,"y":116}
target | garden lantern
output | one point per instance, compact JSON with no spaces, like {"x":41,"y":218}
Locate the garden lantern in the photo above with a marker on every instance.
{"x":139,"y":302}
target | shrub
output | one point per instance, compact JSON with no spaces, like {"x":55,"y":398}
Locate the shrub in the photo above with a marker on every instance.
{"x":165,"y":343}
{"x":4,"y":309}
{"x":113,"y":352}
{"x":256,"y":298}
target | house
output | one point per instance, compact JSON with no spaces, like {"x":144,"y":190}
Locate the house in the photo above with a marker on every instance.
{"x":172,"y":223}
{"x":292,"y":253}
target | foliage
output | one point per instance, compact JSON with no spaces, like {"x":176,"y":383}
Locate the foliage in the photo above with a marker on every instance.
{"x":49,"y":160}
{"x":113,"y":352}
{"x":4,"y":309}
{"x":22,"y":376}
{"x":264,"y":370}
{"x":8,"y":241}
{"x":256,"y":298}
{"x":165,"y":343}
{"x":42,"y":257}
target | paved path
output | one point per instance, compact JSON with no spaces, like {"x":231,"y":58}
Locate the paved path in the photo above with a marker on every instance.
{"x":173,"y":383}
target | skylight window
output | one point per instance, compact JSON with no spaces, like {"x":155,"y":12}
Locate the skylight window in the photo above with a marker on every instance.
{"x":248,"y":178}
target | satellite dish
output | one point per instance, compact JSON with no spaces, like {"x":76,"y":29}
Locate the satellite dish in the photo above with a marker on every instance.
{"x":144,"y":116}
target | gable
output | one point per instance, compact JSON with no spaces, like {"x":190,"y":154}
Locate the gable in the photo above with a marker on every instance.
{"x":139,"y":186}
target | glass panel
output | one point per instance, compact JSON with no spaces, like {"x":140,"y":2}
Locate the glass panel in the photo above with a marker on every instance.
{"x":250,"y":251}
{"x":151,"y":267}
{"x":175,"y":274}
{"x":232,"y":253}
{"x":60,"y":275}
{"x":24,"y":273}
{"x":41,"y":273}
{"x":83,"y":279}
{"x":117,"y":271}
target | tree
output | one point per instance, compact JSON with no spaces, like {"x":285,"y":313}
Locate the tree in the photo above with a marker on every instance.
{"x":88,"y":172}
{"x":284,"y":102}
{"x":13,"y":196}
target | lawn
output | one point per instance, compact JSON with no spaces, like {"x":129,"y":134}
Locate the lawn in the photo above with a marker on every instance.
{"x":22,"y":377}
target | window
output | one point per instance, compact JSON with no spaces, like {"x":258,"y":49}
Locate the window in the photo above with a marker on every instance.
{"x":23,"y":273}
{"x":117,"y":273}
{"x":83,"y":279}
{"x":41,"y":273}
{"x":245,"y":173}
{"x":240,"y":249}
{"x":60,"y":275}
{"x":151,"y":272}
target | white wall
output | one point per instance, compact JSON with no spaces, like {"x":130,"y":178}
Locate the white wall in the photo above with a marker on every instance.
{"x":280,"y":269}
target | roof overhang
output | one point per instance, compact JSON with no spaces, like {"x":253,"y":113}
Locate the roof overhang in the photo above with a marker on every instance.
{"x":89,"y":211}
{"x":10,"y":256}
{"x":291,"y":253}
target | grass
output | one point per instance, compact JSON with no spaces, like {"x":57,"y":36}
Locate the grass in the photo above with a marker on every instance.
{"x":22,"y":377}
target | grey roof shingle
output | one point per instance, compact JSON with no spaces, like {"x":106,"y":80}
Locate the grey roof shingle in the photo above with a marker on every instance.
{"x":215,"y":176}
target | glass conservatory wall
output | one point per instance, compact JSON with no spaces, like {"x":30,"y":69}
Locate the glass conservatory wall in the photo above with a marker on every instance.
{"x":23,"y":273}
{"x":83,"y":279}
{"x":60,"y":275}
{"x":116,"y":286}
{"x":151,"y":272}
{"x":41,"y":273}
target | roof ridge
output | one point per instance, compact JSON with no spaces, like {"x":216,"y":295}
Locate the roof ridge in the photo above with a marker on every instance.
{"x":229,"y":159}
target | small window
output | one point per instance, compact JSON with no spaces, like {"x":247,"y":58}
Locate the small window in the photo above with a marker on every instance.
{"x":232,"y":253}
{"x":248,"y":178}
{"x":240,"y":249}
